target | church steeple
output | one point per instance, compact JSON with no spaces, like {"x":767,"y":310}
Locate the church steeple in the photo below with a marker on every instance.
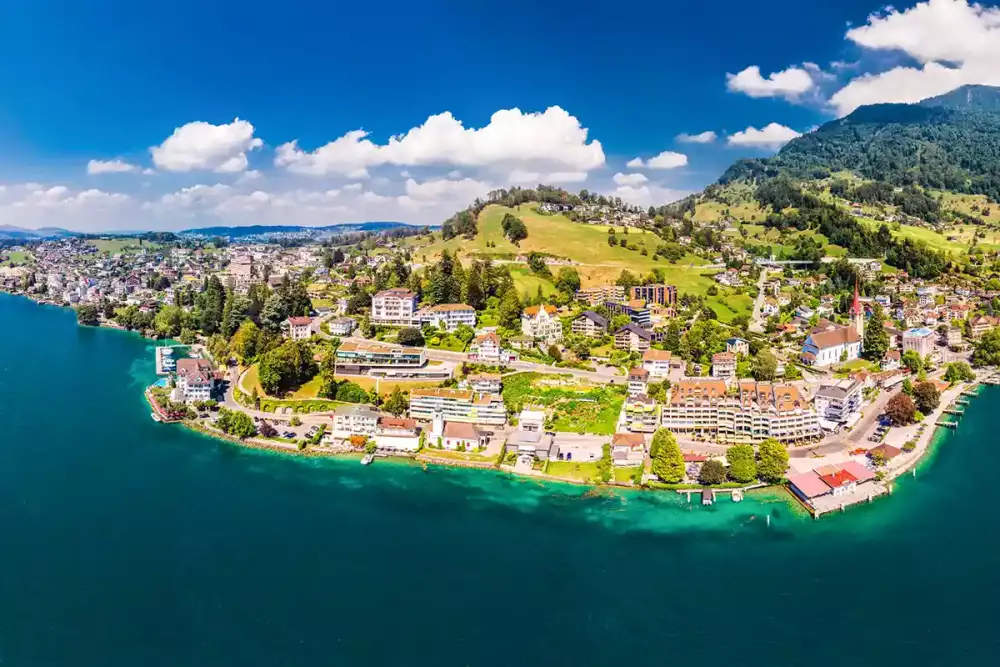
{"x":857,"y":312}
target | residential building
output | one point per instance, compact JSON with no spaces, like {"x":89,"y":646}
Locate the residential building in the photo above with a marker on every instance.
{"x":541,"y":322}
{"x":594,"y":296}
{"x":891,"y":360}
{"x":342,"y":326}
{"x":638,"y":381}
{"x":394,"y":307}
{"x":839,"y":403}
{"x":635,"y":309}
{"x":463,"y":436}
{"x":397,"y":434}
{"x":460,"y":405}
{"x":485,"y":349}
{"x":830,"y":346}
{"x":241,"y":270}
{"x":357,"y":357}
{"x":724,"y":365}
{"x":530,"y":438}
{"x":738,"y":346}
{"x":953,"y":337}
{"x":756,"y":411}
{"x":919,"y":340}
{"x":981,"y":324}
{"x":351,"y":420}
{"x":657,"y":362}
{"x":451,"y":315}
{"x":633,"y":338}
{"x":642,"y":414}
{"x":299,"y":328}
{"x":590,"y":324}
{"x":664,"y":295}
{"x":628,"y":449}
{"x":484,"y":383}
{"x":194,"y":380}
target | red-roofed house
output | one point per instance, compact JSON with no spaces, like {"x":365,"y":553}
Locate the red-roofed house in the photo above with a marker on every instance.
{"x":299,"y":328}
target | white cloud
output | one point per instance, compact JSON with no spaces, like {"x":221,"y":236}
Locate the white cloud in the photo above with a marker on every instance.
{"x":954,"y":42}
{"x":629,"y":179}
{"x":249,"y":177}
{"x":706,"y":137}
{"x":33,"y":205}
{"x":198,"y":196}
{"x":353,"y":187}
{"x":565,"y":177}
{"x":788,"y":84}
{"x":466,"y":189}
{"x":552,"y":140}
{"x":455,"y":174}
{"x":665,"y":160}
{"x":116,"y":166}
{"x":771,"y":136}
{"x":203,"y":146}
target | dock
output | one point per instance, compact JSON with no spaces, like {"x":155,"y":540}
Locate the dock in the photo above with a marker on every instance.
{"x":165,"y":363}
{"x":709,"y":495}
{"x":954,"y":411}
{"x":946,"y":424}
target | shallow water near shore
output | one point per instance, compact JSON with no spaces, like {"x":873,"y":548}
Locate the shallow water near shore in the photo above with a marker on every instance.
{"x":124,"y":541}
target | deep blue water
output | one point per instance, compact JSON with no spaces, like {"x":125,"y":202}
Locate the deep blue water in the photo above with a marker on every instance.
{"x":124,"y":542}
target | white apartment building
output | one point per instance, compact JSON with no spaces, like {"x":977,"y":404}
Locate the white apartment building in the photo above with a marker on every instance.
{"x":299,"y":328}
{"x":354,"y":420}
{"x":541,"y":322}
{"x":394,"y":307}
{"x":838,"y":403}
{"x":458,"y":405}
{"x":449,"y":314}
{"x":194,"y":380}
{"x":657,"y":362}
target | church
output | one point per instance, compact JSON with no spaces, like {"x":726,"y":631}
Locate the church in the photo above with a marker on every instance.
{"x":829,"y":343}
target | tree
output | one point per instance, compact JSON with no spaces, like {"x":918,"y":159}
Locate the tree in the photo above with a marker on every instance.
{"x":792,"y":372}
{"x":397,"y":403}
{"x":742,"y":466}
{"x":169,"y":320}
{"x":513,"y":228}
{"x":287,"y":366}
{"x":510,"y":310}
{"x":568,"y":280}
{"x":668,"y":464}
{"x":764,"y":366}
{"x":627,"y":279}
{"x":245,"y":343}
{"x":926,"y":397}
{"x":987,"y":350}
{"x":236,"y":423}
{"x":410,"y":336}
{"x":87,"y":315}
{"x":267,"y":430}
{"x":712,"y":472}
{"x":911,"y":360}
{"x":900,"y":410}
{"x":876,"y":341}
{"x":772,"y":461}
{"x":959,"y":371}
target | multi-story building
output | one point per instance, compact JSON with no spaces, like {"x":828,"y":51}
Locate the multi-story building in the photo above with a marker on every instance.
{"x":394,"y":307}
{"x":485,"y":349}
{"x":299,"y":328}
{"x":638,"y":381}
{"x":595,"y":296}
{"x":195,"y":380}
{"x":839,"y":402}
{"x":342,"y":326}
{"x":241,"y":270}
{"x":754,"y":412}
{"x":357,"y":357}
{"x":831,"y":346}
{"x":633,"y":338}
{"x":738,"y":346}
{"x":351,"y":420}
{"x":484,"y":383}
{"x":451,"y":315}
{"x":981,"y":324}
{"x":657,"y":362}
{"x":724,"y":365}
{"x":919,"y":340}
{"x":540,"y":322}
{"x":953,"y":337}
{"x":664,"y":295}
{"x":642,"y":414}
{"x":458,"y":405}
{"x":635,"y":309}
{"x":590,"y":324}
{"x":628,"y":449}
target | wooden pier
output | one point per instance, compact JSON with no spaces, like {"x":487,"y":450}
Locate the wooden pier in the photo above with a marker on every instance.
{"x":709,"y":494}
{"x":946,"y":424}
{"x":954,"y":411}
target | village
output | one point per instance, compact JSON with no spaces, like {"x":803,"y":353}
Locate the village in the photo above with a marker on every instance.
{"x":841,"y":369}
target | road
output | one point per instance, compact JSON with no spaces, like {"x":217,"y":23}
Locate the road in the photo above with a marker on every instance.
{"x":756,"y":325}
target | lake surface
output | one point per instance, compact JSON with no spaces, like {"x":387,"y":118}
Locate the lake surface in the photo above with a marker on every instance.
{"x":124,"y":542}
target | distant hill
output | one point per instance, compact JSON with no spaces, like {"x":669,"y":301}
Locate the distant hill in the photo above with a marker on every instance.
{"x":11,"y":233}
{"x":950,"y":142}
{"x":261,"y":230}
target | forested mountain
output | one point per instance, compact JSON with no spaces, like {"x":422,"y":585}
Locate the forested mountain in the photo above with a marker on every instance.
{"x":950,"y":142}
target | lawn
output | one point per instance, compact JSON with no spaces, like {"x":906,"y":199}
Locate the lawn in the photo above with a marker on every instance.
{"x":310,"y":390}
{"x":728,"y":306}
{"x":447,"y":342}
{"x":582,"y":471}
{"x":713,"y":211}
{"x":321,"y":303}
{"x":17,"y":258}
{"x":624,"y":474}
{"x":527,"y":283}
{"x":574,"y":406}
{"x":115,"y":246}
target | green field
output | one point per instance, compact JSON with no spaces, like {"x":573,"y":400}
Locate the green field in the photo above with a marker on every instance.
{"x":584,"y":472}
{"x":527,"y":283}
{"x":310,"y":390}
{"x":15,"y":258}
{"x":574,"y":406}
{"x":115,"y":246}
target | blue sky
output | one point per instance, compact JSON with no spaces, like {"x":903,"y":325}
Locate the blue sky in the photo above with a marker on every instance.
{"x":492,"y":94}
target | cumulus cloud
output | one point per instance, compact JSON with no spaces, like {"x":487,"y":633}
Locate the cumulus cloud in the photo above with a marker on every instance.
{"x":665,"y":160}
{"x":34,"y":205}
{"x":116,"y":166}
{"x":648,"y":195}
{"x":203,"y":146}
{"x":552,"y":140}
{"x":789,"y":84}
{"x":705,"y":137}
{"x":954,"y":43}
{"x":629,"y":179}
{"x":771,"y":136}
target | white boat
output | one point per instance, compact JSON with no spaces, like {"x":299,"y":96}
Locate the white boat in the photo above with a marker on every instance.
{"x":368,"y":458}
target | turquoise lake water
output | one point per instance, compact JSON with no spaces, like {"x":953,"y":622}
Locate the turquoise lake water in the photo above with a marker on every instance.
{"x":124,"y":542}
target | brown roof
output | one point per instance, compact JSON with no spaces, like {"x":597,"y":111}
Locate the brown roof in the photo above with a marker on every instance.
{"x":638,"y":373}
{"x":834,"y":337}
{"x":451,"y":306}
{"x":300,"y":321}
{"x":783,"y":397}
{"x":656,"y":355}
{"x":461,"y":430}
{"x":397,"y":422}
{"x":631,"y":440}
{"x":697,"y":390}
{"x":889,"y":451}
{"x":531,"y":311}
{"x":724,"y":358}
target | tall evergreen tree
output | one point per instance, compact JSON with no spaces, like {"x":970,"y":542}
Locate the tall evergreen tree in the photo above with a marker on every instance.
{"x":876,"y":341}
